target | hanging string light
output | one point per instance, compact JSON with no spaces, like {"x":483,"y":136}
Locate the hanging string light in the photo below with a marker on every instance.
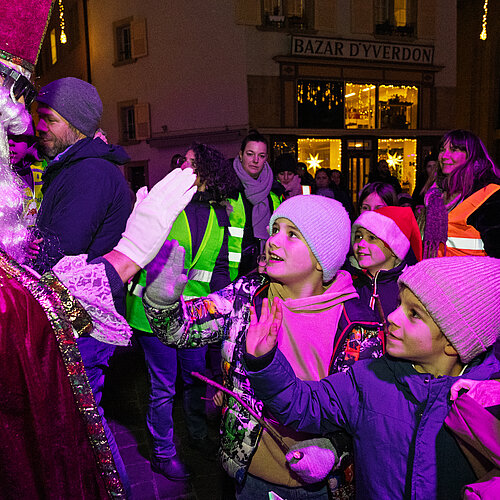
{"x":483,"y":34}
{"x":316,"y":92}
{"x":63,"y":37}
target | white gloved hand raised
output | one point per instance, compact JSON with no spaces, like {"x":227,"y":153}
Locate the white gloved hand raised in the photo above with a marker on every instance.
{"x":153,"y":216}
{"x":318,"y":459}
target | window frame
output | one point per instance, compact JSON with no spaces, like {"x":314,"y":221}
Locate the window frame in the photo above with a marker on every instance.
{"x":124,"y":106}
{"x":377,"y":119}
{"x":385,"y":23}
{"x":137,"y":40}
{"x":281,"y":21}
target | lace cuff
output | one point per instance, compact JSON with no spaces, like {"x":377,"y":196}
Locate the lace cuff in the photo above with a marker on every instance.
{"x":89,"y":284}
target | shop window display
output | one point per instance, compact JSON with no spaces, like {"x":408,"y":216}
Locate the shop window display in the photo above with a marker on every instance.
{"x":360,"y":106}
{"x":320,"y":104}
{"x":401,"y":156}
{"x":320,"y":153}
{"x":397,"y":107}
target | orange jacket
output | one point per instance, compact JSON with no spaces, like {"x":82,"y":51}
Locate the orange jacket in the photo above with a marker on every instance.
{"x":464,"y":239}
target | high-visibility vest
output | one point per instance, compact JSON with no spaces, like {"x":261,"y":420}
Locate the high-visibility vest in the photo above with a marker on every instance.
{"x":237,"y":219}
{"x":199,"y":268}
{"x":464,"y":239}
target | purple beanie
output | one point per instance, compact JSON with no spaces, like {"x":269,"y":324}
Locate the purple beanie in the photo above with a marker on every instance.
{"x":78,"y":102}
{"x":324,"y":224}
{"x":462,"y":295}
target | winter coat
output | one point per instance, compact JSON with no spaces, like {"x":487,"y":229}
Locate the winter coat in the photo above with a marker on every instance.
{"x":225,"y":315}
{"x":477,"y":428}
{"x":394,"y":413}
{"x":86,"y":202}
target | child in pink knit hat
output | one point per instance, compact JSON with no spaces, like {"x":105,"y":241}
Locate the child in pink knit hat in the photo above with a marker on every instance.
{"x":385,"y":241}
{"x":395,"y":406}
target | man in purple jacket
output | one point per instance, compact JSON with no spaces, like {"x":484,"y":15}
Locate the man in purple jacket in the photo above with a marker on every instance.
{"x":86,"y":203}
{"x":86,"y":198}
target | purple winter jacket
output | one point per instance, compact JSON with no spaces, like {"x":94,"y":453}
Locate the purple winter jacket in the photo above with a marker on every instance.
{"x":394,"y":413}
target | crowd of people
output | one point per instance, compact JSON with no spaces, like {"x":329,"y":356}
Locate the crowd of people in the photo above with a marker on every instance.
{"x":356,"y":348}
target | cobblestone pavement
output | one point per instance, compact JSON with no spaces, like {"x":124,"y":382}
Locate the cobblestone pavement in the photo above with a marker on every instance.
{"x":125,"y":406}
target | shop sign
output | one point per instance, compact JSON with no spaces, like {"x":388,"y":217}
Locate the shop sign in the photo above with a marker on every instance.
{"x":361,"y":50}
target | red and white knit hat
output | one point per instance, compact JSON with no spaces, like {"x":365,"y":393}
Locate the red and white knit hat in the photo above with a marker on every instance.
{"x":395,"y":226}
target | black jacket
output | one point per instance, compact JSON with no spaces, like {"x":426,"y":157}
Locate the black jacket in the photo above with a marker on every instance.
{"x":86,"y":202}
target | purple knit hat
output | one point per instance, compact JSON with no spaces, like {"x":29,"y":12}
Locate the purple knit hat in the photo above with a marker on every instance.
{"x":76,"y":101}
{"x":462,"y":295}
{"x":324,"y":224}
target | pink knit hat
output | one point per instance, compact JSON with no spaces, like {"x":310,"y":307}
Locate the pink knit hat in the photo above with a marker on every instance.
{"x":462,"y":295}
{"x":395,"y":226}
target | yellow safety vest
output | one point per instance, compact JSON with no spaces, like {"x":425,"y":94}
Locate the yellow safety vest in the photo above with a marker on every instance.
{"x":199,"y":269}
{"x":237,"y":221}
{"x":32,"y":197}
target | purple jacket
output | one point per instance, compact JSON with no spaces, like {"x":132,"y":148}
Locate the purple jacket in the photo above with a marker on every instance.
{"x":86,"y":203}
{"x":394,"y":413}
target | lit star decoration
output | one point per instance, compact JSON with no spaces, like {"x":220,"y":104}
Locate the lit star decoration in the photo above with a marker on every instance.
{"x":394,"y":160}
{"x":483,"y":34}
{"x":314,"y":163}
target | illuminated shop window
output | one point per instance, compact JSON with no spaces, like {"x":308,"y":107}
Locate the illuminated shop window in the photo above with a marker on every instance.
{"x":282,"y":145}
{"x":359,"y":144}
{"x":397,"y":107}
{"x":320,"y":104}
{"x":360,"y":105}
{"x":402,"y":159}
{"x":320,"y":153}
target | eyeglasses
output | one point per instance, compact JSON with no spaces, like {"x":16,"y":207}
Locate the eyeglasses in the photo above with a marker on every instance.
{"x":18,"y":85}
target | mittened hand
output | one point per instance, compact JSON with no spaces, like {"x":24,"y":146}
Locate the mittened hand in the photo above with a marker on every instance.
{"x":318,"y":459}
{"x":262,"y":333}
{"x":153,"y":216}
{"x":165,"y":278}
{"x":485,"y":392}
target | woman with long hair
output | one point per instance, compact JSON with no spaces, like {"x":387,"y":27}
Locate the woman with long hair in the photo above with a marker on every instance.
{"x":461,"y":215}
{"x":202,"y":230}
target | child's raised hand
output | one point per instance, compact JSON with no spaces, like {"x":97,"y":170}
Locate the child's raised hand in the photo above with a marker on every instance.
{"x":165,"y":278}
{"x":262,"y":333}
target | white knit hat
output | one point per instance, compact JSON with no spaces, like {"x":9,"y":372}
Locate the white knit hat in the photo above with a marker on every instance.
{"x":462,"y":295}
{"x":324,"y":224}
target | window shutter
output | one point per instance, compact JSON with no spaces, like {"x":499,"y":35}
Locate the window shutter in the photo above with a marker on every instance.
{"x":139,"y":38}
{"x":142,"y":121}
{"x":248,"y":12}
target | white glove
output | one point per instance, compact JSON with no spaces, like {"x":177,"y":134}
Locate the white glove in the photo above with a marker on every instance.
{"x":165,"y":280}
{"x":152,"y":217}
{"x":318,"y":459}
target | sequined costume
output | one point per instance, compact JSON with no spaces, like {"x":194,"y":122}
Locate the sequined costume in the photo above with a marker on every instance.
{"x":52,"y":442}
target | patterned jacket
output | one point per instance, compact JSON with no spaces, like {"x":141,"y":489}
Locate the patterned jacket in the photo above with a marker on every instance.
{"x":225,"y":316}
